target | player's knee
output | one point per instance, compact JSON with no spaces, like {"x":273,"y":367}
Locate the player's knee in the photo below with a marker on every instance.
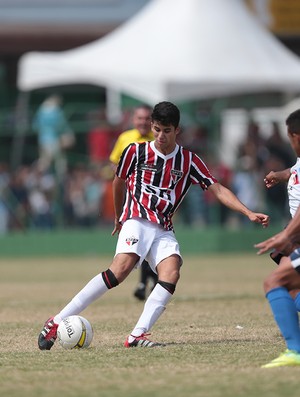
{"x":168,"y":286}
{"x":275,"y":280}
{"x":267,"y":285}
{"x":109,"y":279}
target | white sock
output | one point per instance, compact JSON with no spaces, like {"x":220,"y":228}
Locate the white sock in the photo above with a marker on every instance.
{"x":154,"y":307}
{"x":92,"y":291}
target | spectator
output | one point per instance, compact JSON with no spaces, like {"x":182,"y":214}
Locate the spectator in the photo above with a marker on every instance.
{"x":41,"y":194}
{"x":4,"y":212}
{"x":19,"y":199}
{"x":54,"y":135}
{"x":246,"y":184}
{"x":99,"y":140}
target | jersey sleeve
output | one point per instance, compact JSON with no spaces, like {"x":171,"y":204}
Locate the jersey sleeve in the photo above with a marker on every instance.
{"x":200,"y":174}
{"x":127,"y":161}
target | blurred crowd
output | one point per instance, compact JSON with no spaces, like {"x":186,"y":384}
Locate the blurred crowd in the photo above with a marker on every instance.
{"x":50,"y":193}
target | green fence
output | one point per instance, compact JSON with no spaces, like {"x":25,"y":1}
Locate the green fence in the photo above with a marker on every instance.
{"x":100,"y":242}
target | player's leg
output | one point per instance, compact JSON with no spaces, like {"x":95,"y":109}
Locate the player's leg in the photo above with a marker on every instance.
{"x":277,"y":286}
{"x":168,"y":271}
{"x":146,"y":276}
{"x":126,"y":258}
{"x":165,"y":253}
{"x":276,"y":256}
{"x":121,"y":266}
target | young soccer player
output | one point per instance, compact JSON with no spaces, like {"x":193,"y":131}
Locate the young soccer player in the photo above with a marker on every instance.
{"x":283,"y":284}
{"x":156,"y":176}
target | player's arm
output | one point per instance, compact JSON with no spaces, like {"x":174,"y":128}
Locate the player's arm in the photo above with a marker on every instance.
{"x":118,"y":198}
{"x":282,"y":241}
{"x":275,"y":177}
{"x":229,"y":199}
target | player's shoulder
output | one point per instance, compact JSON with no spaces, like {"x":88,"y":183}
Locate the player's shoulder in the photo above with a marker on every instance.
{"x":129,"y":133}
{"x":186,"y":152}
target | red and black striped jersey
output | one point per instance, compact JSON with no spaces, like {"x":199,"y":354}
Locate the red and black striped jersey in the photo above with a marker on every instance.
{"x":156,"y":184}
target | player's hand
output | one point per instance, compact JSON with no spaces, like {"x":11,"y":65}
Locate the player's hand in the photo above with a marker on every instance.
{"x":279,"y":241}
{"x":271,"y":179}
{"x":117,"y":228}
{"x":257,"y":217}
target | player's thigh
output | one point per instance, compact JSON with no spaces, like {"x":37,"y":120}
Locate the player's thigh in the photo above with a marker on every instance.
{"x":123,"y":264}
{"x":285,"y":275}
{"x":165,"y":245}
{"x":136,"y":237}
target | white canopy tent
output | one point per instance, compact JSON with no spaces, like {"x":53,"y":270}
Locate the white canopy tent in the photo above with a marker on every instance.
{"x":174,"y":50}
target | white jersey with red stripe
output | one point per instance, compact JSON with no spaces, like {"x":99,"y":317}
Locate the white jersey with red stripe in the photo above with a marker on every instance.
{"x":156,"y":183}
{"x":294,"y":188}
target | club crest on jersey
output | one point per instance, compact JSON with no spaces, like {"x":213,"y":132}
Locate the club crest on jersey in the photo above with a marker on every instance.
{"x":176,"y":175}
{"x":294,"y":178}
{"x":131,"y":240}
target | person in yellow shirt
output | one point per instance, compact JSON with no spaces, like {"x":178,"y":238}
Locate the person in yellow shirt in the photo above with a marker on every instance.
{"x":141,"y":121}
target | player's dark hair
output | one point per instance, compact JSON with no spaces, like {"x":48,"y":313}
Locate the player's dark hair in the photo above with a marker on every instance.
{"x":293,"y":122}
{"x":166,"y":113}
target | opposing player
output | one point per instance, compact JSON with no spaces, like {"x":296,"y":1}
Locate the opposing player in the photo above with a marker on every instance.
{"x":141,"y":120}
{"x":283,"y":284}
{"x":157,"y":176}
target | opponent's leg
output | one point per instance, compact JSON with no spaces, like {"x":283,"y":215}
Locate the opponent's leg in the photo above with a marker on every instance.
{"x":277,"y":287}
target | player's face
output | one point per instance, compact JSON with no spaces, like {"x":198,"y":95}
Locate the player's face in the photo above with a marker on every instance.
{"x":164,"y":137}
{"x":141,"y":120}
{"x":294,"y":141}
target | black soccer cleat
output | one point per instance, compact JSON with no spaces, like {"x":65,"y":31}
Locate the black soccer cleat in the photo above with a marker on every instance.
{"x":48,"y":335}
{"x":140,"y":292}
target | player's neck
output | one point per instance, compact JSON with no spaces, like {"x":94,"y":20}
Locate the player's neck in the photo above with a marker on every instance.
{"x":165,"y":149}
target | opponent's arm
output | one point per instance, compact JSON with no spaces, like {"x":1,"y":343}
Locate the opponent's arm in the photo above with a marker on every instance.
{"x":229,"y":199}
{"x":282,"y":241}
{"x":275,"y":177}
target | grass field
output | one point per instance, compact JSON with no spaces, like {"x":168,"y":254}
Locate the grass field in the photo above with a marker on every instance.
{"x":218,"y":329}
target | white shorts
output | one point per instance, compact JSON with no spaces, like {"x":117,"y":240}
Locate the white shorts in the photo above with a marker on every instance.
{"x":148,"y":240}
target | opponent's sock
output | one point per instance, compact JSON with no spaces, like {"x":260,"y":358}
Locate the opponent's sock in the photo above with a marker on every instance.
{"x":286,"y":316}
{"x":297,"y":301}
{"x":92,"y":291}
{"x":154,"y":307}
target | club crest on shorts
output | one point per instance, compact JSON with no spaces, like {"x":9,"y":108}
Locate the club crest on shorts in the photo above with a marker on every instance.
{"x":131,"y":240}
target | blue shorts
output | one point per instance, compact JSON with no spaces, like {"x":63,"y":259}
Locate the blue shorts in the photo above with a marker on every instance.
{"x":295,"y":259}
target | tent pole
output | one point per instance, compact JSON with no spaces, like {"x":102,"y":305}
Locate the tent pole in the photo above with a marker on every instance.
{"x":113,"y":106}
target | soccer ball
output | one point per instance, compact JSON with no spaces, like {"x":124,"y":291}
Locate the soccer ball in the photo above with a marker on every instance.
{"x":74,"y":332}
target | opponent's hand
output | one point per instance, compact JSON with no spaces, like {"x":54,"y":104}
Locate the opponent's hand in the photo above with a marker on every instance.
{"x":257,"y":217}
{"x":271,"y":179}
{"x":279,"y":241}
